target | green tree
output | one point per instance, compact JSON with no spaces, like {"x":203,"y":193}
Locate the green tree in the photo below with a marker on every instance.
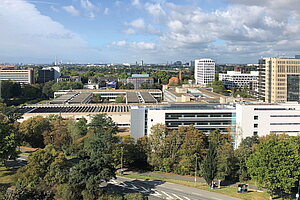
{"x":275,"y":164}
{"x":96,"y":166}
{"x":128,"y":86}
{"x":210,"y":164}
{"x":120,"y":99}
{"x":39,"y":164}
{"x":8,"y":139}
{"x":33,"y":130}
{"x":47,"y":89}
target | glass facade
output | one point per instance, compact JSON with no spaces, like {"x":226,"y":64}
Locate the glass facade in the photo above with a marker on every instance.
{"x":293,"y":87}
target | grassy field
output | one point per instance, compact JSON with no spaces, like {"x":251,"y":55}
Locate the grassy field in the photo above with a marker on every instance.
{"x":230,"y":191}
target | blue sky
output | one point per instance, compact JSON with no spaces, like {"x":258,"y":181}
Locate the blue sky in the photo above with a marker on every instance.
{"x":156,"y":31}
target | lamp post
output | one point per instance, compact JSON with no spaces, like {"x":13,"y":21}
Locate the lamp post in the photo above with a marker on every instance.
{"x":122,"y":160}
{"x":196,"y":170}
{"x":298,"y":193}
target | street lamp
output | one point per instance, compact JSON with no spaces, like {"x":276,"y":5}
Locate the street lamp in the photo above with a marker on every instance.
{"x":196,"y":170}
{"x":298,"y":193}
{"x":122,"y":160}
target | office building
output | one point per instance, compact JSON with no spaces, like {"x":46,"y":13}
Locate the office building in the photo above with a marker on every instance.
{"x":237,"y":79}
{"x":205,"y":117}
{"x":23,"y":76}
{"x":138,"y":79}
{"x":204,"y":71}
{"x":263,"y":119}
{"x":279,"y":79}
{"x":45,"y":75}
{"x":69,"y":78}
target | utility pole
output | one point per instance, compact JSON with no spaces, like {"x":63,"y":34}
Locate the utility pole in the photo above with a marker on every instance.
{"x":196,"y":170}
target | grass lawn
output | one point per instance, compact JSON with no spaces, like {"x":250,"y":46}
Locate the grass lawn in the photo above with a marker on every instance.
{"x":230,"y":191}
{"x":6,"y":178}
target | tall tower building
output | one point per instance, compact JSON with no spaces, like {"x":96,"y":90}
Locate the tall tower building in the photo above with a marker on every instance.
{"x":279,"y":79}
{"x":204,"y":71}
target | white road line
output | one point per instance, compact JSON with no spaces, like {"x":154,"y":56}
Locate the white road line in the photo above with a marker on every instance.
{"x":145,"y":189}
{"x":169,"y":196}
{"x":177,"y":196}
{"x":186,"y":198}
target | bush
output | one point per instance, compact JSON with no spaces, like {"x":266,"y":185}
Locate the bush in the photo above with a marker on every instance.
{"x":134,"y":196}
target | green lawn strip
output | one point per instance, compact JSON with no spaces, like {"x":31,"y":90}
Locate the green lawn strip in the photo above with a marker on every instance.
{"x":230,"y":191}
{"x":6,"y":178}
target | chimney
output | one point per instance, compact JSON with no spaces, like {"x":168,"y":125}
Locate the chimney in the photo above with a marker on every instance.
{"x":180,"y":76}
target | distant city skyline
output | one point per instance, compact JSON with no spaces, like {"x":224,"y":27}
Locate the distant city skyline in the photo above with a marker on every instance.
{"x":155,"y":31}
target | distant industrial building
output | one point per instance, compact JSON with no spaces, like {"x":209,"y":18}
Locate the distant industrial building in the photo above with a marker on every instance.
{"x":102,"y":82}
{"x":23,"y":76}
{"x":279,"y":79}
{"x":138,"y":79}
{"x":204,"y":71}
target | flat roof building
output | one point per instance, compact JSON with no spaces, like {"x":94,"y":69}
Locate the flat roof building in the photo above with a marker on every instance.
{"x":204,"y":71}
{"x":24,"y":76}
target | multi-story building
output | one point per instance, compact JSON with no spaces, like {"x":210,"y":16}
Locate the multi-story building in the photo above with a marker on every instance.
{"x":45,"y":75}
{"x":237,"y":79}
{"x":204,"y":71}
{"x":138,"y":79}
{"x":279,"y":79}
{"x":23,"y":76}
{"x":205,"y":117}
{"x":263,"y":119}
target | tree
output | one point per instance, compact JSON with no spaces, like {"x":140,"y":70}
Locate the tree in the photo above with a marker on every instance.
{"x":8,"y":139}
{"x":218,"y":87}
{"x":33,"y":130}
{"x":40,"y":164}
{"x":96,"y":166}
{"x":210,"y":164}
{"x":47,"y":89}
{"x":120,"y":99}
{"x":276,"y":163}
{"x":128,"y":86}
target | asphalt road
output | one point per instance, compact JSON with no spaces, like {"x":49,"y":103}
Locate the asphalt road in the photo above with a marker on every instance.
{"x":156,"y":190}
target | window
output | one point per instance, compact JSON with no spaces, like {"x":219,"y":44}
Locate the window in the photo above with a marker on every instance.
{"x":255,"y":125}
{"x":255,"y":133}
{"x":255,"y":117}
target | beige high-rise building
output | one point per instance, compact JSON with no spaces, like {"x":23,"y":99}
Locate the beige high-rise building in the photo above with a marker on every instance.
{"x":279,"y":79}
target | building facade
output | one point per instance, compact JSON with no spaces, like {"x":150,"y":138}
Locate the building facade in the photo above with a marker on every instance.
{"x":237,"y":79}
{"x":205,"y":117}
{"x":263,"y":119}
{"x":23,"y":76}
{"x":279,"y":79}
{"x":204,"y":71}
{"x":137,"y":81}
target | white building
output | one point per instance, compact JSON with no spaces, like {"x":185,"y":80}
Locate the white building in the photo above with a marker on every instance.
{"x":263,"y":119}
{"x":57,"y":73}
{"x":204,"y":71}
{"x":237,"y":79}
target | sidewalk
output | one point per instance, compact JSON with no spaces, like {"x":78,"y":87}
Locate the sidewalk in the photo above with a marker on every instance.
{"x":188,"y":178}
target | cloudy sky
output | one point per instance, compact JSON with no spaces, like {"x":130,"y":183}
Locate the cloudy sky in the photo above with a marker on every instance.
{"x":156,"y":31}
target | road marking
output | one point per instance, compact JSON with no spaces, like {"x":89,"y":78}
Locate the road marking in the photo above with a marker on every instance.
{"x":169,"y":196}
{"x":147,"y":190}
{"x":177,"y":196}
{"x":186,"y":198}
{"x":133,"y":187}
{"x":155,"y":193}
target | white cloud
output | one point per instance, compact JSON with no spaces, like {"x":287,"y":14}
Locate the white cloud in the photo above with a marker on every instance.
{"x":31,"y":36}
{"x":143,"y":45}
{"x":106,"y":11}
{"x":120,"y":43}
{"x":137,"y":23}
{"x":89,"y":8}
{"x":135,"y":45}
{"x":135,"y":2}
{"x":72,"y":10}
{"x":129,"y":31}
